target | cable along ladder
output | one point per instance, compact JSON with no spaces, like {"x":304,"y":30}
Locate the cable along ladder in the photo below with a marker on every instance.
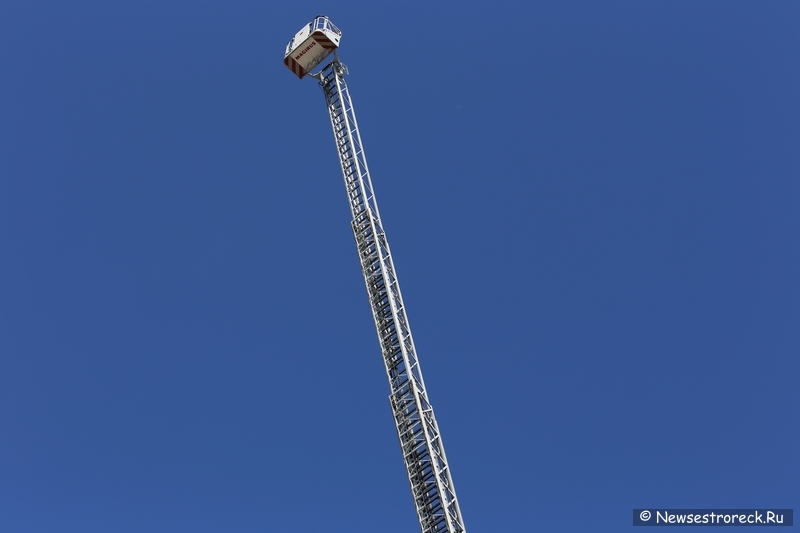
{"x":420,"y":441}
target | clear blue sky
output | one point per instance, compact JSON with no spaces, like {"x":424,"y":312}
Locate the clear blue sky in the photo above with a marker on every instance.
{"x":593,"y":208}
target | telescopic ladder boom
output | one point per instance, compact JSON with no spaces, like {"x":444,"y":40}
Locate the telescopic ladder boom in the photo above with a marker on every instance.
{"x":420,"y":440}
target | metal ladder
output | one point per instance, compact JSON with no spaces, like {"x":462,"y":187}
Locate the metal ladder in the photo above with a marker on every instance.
{"x":423,"y":453}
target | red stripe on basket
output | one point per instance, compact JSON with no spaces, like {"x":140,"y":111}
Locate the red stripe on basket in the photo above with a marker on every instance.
{"x":323,"y":40}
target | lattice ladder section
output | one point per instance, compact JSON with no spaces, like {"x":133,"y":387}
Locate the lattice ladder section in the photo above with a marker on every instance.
{"x":420,"y":441}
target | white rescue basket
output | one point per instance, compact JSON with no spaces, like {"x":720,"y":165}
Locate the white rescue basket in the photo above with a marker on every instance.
{"x":316,"y":41}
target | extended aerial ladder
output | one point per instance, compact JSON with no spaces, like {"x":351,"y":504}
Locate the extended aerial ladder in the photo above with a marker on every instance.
{"x":420,"y":441}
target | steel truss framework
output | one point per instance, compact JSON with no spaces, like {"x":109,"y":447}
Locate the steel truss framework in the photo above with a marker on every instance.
{"x":421,"y":443}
